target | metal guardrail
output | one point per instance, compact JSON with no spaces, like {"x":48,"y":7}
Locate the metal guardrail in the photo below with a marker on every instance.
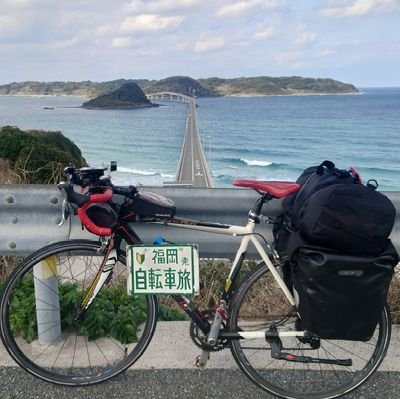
{"x":29,"y":215}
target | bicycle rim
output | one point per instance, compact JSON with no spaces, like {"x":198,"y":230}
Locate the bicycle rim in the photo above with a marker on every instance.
{"x":38,"y":307}
{"x":258,"y":304}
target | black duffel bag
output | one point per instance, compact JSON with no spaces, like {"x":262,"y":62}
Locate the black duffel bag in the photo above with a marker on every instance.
{"x":341,"y":296}
{"x":350,"y":218}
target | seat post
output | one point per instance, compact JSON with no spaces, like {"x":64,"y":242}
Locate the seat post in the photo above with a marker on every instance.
{"x":255,"y":212}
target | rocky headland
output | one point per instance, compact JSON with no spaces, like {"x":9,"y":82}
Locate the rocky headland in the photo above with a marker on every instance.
{"x":210,"y":87}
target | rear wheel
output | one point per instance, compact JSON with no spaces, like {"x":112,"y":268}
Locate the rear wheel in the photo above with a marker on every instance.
{"x":38,"y":310}
{"x":259,"y":304}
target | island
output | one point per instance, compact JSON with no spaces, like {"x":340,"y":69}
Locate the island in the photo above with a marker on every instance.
{"x":128,"y":96}
{"x":208,"y":87}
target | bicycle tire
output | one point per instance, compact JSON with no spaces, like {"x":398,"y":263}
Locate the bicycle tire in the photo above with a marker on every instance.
{"x":291,"y":380}
{"x":115,"y":331}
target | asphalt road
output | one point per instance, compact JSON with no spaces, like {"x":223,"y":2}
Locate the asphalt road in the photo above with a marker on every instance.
{"x":169,"y":384}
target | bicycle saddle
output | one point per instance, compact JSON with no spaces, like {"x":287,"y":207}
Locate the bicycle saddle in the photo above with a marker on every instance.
{"x":277,"y":189}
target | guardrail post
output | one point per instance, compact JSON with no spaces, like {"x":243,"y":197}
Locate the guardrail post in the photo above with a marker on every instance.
{"x":47,"y":301}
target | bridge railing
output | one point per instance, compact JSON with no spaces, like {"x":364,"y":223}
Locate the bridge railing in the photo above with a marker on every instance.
{"x":29,"y":215}
{"x":167,"y":95}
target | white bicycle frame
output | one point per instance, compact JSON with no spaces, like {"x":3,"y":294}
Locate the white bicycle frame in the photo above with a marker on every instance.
{"x":248,"y":236}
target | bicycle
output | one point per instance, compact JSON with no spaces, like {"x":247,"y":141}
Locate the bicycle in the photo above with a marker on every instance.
{"x":85,"y":328}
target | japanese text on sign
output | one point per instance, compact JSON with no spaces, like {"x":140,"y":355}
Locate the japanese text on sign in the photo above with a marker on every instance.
{"x":166,"y":269}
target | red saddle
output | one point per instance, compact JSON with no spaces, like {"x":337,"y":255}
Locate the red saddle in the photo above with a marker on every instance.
{"x":277,"y":189}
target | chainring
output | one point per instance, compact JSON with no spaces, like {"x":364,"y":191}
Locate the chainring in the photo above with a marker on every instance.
{"x":200,"y":339}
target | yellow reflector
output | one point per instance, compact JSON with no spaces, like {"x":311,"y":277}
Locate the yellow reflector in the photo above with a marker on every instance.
{"x":49,"y":267}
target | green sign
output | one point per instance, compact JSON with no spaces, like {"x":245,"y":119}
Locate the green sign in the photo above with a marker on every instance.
{"x":163,"y":269}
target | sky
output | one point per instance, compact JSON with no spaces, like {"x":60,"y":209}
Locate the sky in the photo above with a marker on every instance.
{"x":354,"y":41}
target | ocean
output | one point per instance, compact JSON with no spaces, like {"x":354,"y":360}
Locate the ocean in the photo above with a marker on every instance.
{"x":266,"y":138}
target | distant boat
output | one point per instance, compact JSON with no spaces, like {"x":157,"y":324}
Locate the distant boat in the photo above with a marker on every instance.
{"x":48,"y":107}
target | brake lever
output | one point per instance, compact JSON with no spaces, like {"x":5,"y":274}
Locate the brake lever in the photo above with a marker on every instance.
{"x":65,"y":212}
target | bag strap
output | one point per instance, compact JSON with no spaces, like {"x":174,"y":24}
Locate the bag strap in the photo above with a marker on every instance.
{"x":373,"y":184}
{"x":326,"y":164}
{"x":330,"y":167}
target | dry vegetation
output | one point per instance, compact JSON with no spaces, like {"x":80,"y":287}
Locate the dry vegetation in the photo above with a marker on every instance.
{"x":394,"y":298}
{"x":8,"y":176}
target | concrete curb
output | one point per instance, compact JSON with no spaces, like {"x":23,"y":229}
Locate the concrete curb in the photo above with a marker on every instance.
{"x":172,"y":348}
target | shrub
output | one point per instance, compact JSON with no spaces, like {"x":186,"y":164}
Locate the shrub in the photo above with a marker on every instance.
{"x":37,"y":156}
{"x":114,"y":313}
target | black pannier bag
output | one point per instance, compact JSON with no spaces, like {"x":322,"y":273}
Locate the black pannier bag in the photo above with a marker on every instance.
{"x":148,"y":204}
{"x":341,"y":296}
{"x":311,"y":180}
{"x":348,"y":218}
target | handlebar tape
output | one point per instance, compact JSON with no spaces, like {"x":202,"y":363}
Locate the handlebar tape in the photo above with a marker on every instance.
{"x":83,"y":201}
{"x":86,"y":221}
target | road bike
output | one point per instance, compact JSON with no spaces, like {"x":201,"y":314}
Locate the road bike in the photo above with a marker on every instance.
{"x":68,"y":317}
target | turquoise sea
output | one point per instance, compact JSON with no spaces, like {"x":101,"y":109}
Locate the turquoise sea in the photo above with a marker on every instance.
{"x":268,"y":138}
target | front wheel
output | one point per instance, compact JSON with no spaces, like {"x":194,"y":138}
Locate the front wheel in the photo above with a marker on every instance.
{"x":40,"y":329}
{"x":259,"y":304}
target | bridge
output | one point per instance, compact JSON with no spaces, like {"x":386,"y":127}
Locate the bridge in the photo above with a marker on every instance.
{"x":193,"y":170}
{"x":169,"y":96}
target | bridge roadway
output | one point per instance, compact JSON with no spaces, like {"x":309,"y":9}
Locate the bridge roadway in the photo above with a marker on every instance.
{"x":193,"y":170}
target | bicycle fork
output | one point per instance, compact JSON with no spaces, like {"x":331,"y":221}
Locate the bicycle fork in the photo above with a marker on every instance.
{"x":103,"y":276}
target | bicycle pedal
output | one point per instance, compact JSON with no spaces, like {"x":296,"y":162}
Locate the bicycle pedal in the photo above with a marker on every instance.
{"x":202,"y":359}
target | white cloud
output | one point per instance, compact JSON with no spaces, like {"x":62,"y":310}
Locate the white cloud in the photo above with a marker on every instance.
{"x":356,"y":8}
{"x":325,"y":52}
{"x":182,"y":45}
{"x":240,"y":7}
{"x":9,"y":24}
{"x":209,"y":44}
{"x":158,"y":6}
{"x":122,"y":42}
{"x":103,"y":30}
{"x":16,"y":3}
{"x":306,"y":37}
{"x":63,"y":44}
{"x":286,"y":58}
{"x":236,"y":9}
{"x":149,"y":23}
{"x":264,"y":34}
